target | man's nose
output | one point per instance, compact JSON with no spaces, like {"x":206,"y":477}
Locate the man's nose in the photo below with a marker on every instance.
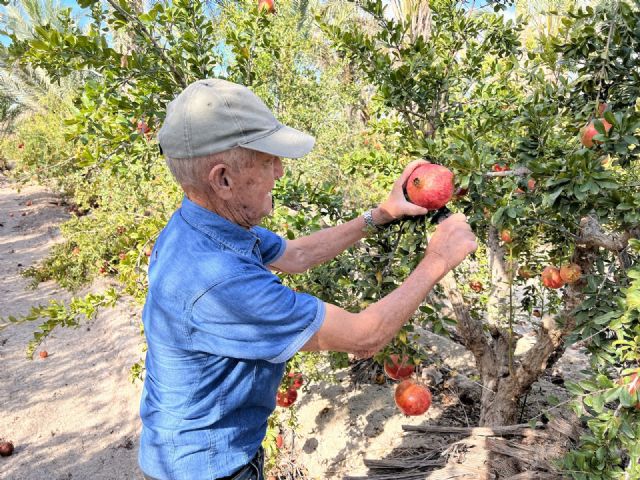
{"x":278,"y":170}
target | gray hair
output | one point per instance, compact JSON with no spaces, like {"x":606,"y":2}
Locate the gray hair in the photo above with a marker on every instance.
{"x":195,"y":171}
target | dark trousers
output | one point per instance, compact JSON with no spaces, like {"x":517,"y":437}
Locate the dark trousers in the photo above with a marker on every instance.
{"x":251,"y":471}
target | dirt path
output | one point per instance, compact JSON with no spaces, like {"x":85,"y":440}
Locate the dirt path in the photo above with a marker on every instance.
{"x":72,"y":415}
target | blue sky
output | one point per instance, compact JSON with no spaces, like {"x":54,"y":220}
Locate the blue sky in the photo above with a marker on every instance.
{"x":65,"y":3}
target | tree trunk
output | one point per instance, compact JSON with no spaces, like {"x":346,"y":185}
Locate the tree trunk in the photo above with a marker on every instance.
{"x":500,"y":408}
{"x":503,"y":385}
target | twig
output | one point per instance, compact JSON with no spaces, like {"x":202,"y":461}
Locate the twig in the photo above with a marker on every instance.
{"x":143,"y":30}
{"x":521,"y":429}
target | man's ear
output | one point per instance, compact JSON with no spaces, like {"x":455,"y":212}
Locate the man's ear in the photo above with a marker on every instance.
{"x":220,"y":181}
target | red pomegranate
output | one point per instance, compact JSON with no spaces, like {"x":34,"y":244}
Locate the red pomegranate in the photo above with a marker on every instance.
{"x":412,"y":398}
{"x":551,"y":277}
{"x":398,"y":368}
{"x":430,"y":186}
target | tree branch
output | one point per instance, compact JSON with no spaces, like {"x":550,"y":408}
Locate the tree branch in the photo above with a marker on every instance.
{"x":469,"y":328}
{"x":139,"y":26}
{"x":592,"y":235}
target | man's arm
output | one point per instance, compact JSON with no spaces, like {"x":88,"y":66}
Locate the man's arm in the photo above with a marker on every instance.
{"x":306,"y":252}
{"x":366,"y":332}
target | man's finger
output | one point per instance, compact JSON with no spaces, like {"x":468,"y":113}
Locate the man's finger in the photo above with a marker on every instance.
{"x":409,"y":169}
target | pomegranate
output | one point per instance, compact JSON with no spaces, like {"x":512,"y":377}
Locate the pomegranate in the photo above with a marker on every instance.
{"x":6,"y":448}
{"x":268,"y":5}
{"x":531,"y":184}
{"x":551,"y":277}
{"x":286,"y":398}
{"x":570,"y":272}
{"x":589,"y":131}
{"x":398,"y":369}
{"x":296,"y":379}
{"x":505,"y":236}
{"x":430,"y":186}
{"x":44,"y":354}
{"x":412,"y":398}
{"x":602,"y":107}
{"x":524,"y":272}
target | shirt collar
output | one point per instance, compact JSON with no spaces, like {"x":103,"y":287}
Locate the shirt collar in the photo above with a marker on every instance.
{"x":230,"y":234}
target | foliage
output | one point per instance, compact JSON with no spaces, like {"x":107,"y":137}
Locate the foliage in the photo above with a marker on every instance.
{"x":464,"y":91}
{"x":606,"y":401}
{"x":60,"y":315}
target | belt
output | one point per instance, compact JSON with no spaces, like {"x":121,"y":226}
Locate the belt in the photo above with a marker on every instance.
{"x":251,"y":471}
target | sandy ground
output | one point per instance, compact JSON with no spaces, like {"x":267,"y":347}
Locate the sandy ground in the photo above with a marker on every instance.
{"x":74,"y":415}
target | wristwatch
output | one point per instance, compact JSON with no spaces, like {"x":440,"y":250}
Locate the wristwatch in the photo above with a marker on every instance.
{"x":369,"y":225}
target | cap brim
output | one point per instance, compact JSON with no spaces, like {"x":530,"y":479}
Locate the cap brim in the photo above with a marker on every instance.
{"x":284,"y":142}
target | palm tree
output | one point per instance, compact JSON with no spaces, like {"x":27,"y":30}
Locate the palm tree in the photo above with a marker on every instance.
{"x":22,"y":87}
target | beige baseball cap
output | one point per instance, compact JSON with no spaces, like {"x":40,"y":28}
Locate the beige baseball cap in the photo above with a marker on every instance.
{"x":215,"y":115}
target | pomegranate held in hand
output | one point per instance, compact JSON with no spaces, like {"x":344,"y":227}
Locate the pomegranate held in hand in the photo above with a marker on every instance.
{"x":398,"y":369}
{"x":430,"y":186}
{"x":412,"y":398}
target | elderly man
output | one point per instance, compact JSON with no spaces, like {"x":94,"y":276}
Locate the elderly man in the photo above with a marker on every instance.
{"x":219,"y":324}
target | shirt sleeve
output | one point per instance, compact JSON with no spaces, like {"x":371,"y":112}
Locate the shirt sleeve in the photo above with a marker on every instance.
{"x":253,"y":316}
{"x":271,"y":245}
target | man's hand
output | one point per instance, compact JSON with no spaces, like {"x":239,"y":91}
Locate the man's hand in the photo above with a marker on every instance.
{"x":452,"y":241}
{"x":396,"y":206}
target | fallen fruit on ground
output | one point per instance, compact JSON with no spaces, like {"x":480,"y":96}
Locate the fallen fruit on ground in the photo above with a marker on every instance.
{"x":44,"y":354}
{"x":279,"y":441}
{"x":476,"y":286}
{"x":551,"y":277}
{"x":430,"y":186}
{"x":536,"y":313}
{"x":6,"y":448}
{"x":570,"y":272}
{"x":412,"y":398}
{"x":398,"y":368}
{"x":286,"y":398}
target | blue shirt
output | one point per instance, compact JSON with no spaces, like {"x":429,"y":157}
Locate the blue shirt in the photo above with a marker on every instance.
{"x":219,"y":326}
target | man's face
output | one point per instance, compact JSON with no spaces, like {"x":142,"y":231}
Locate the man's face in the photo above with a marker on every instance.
{"x":255,"y":183}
